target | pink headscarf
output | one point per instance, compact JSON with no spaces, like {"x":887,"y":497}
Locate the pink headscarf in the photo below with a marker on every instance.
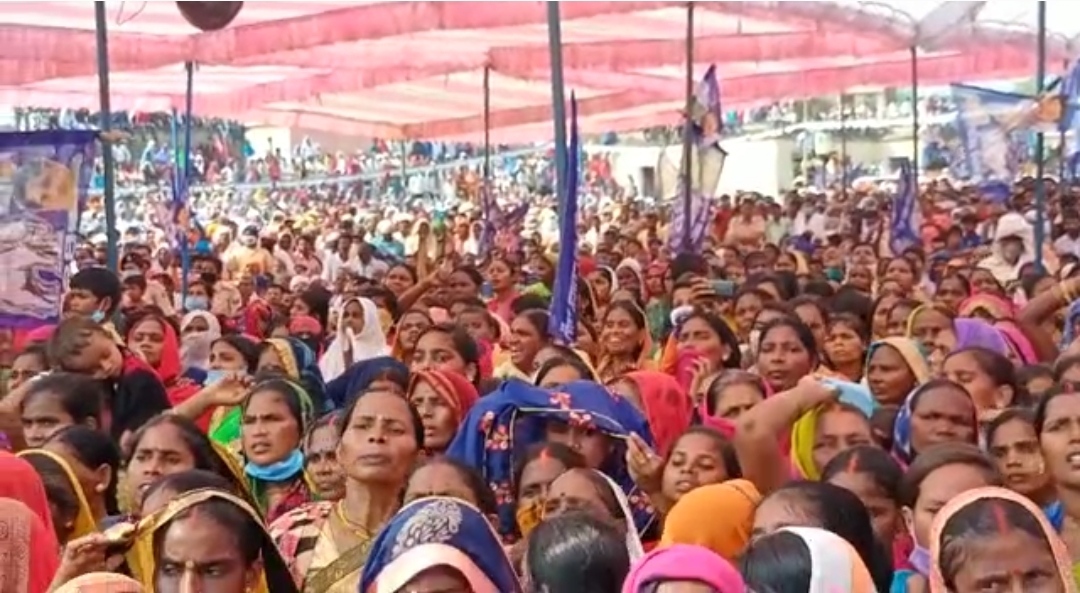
{"x":680,"y":562}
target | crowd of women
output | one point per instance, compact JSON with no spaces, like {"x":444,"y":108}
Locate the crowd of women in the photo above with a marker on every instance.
{"x":826,"y":424}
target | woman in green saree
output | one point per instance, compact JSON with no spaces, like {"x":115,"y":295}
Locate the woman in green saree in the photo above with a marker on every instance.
{"x":327,"y":543}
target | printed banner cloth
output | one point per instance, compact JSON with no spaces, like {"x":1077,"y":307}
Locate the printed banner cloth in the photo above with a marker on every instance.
{"x":43,"y":184}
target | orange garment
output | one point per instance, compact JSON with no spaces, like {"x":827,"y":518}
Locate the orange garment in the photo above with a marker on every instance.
{"x":728,"y":533}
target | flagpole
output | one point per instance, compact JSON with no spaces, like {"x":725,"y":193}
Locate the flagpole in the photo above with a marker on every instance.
{"x":1040,"y":140}
{"x":558,"y":102}
{"x":688,"y":130}
{"x":915,"y":148}
{"x":102,"y":30}
{"x":487,"y":126}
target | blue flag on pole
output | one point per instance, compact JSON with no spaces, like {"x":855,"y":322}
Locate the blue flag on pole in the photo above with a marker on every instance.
{"x":562,"y":325}
{"x":707,"y":124}
{"x":906,"y":215}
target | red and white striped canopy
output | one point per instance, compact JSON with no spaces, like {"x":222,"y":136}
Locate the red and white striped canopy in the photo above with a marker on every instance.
{"x":416,"y":69}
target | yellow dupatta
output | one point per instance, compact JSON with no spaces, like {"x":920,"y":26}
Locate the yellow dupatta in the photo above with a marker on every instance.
{"x":84,"y":519}
{"x":141,"y":556}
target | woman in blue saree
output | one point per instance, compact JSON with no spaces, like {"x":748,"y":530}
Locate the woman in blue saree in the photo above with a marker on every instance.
{"x":438,"y":538}
{"x":583,"y":415}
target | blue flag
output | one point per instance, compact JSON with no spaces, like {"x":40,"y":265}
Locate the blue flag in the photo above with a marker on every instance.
{"x":562,"y":325}
{"x":906,"y":216}
{"x":691,"y":213}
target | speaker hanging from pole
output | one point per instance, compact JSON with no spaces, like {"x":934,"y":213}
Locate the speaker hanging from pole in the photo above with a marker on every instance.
{"x":209,"y":16}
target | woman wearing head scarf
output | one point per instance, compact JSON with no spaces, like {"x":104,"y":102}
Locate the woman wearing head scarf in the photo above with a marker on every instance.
{"x":1002,"y":314}
{"x":214,"y":518}
{"x":359,"y":337}
{"x":438,"y":533}
{"x":289,"y":357}
{"x":580,"y":414}
{"x":854,"y":408}
{"x":154,"y":339}
{"x":939,"y":333}
{"x":198,"y":331}
{"x":726,"y":535}
{"x":805,"y":559}
{"x":29,"y":554}
{"x":58,"y":474}
{"x":663,"y":402}
{"x":994,"y":535}
{"x":683,"y":564}
{"x":383,"y":371}
{"x":442,"y":398}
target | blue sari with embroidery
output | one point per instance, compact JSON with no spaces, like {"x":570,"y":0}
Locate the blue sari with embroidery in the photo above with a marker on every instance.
{"x":506,"y":422}
{"x":438,"y":531}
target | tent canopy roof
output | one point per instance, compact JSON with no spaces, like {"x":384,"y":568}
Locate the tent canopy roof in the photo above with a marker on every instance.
{"x":416,"y":69}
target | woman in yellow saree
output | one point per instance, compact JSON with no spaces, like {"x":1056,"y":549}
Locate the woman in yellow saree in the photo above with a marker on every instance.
{"x":64,"y":492}
{"x":208,"y":535}
{"x":327,"y":543}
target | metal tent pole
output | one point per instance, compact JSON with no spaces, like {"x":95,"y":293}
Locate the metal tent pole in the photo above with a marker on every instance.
{"x":915,"y":144}
{"x":558,"y":102}
{"x":185,"y":173}
{"x":487,"y":127}
{"x":843,"y":147}
{"x":1040,"y":141}
{"x":101,"y":26}
{"x":688,"y":130}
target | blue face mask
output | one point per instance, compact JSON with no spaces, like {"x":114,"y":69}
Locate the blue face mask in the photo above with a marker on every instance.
{"x":920,"y":560}
{"x":834,"y":274}
{"x":214,"y":375}
{"x":281,"y":471}
{"x":97,"y":316}
{"x":196,"y":303}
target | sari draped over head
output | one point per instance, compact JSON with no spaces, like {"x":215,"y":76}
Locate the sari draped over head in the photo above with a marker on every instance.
{"x":347,"y":348}
{"x":1018,"y":342}
{"x":1062,"y":560}
{"x":804,"y":431}
{"x":976,"y":332}
{"x":835,"y":565}
{"x":680,"y":562}
{"x":459,"y":394}
{"x":274,"y":571}
{"x":101,"y":582}
{"x":195,"y":347}
{"x":910,"y":351}
{"x":29,"y":554}
{"x":504,"y":423}
{"x":299,"y":493}
{"x":1068,"y":332}
{"x":84,"y":517}
{"x":992,"y":307}
{"x":359,"y":377}
{"x":666,"y":405}
{"x":179,"y":386}
{"x":299,"y":366}
{"x":22,"y":483}
{"x":438,"y":532}
{"x":729,"y":507}
{"x":255,"y":318}
{"x":633,"y":541}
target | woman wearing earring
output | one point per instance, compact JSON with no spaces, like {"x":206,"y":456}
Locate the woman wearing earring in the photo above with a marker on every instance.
{"x":326,"y":544}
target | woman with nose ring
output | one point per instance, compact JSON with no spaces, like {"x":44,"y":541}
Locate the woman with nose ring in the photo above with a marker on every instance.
{"x":327,"y":543}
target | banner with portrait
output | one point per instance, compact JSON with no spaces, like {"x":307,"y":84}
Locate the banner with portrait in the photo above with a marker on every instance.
{"x":43,"y":185}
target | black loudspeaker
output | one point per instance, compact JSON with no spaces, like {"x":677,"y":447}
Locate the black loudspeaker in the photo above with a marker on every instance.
{"x":209,"y":16}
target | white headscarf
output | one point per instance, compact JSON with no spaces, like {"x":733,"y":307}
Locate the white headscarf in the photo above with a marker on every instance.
{"x":195,"y":348}
{"x":835,"y":565}
{"x":633,"y":540}
{"x":369,"y":343}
